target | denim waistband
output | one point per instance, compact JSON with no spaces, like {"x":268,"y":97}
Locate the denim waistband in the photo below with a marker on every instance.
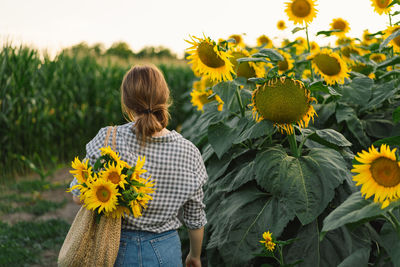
{"x":144,"y":235}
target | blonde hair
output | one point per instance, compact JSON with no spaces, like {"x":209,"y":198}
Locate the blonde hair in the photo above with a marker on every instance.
{"x":145,"y":100}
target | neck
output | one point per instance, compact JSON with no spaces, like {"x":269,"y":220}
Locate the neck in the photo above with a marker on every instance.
{"x":164,"y":131}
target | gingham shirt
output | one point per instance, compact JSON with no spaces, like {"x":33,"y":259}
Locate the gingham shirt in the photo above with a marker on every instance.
{"x":178,"y":169}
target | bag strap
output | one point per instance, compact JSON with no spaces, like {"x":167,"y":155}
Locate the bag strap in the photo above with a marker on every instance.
{"x":114,"y":136}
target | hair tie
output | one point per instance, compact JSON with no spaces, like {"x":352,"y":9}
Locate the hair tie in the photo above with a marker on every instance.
{"x":147,"y":111}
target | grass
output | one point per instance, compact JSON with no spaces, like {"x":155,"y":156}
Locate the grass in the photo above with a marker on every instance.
{"x":22,"y":243}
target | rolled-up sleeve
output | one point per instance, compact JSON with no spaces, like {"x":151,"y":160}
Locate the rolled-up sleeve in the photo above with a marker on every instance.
{"x":194,"y":216}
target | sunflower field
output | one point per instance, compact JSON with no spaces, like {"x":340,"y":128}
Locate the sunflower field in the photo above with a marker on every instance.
{"x":300,"y":143}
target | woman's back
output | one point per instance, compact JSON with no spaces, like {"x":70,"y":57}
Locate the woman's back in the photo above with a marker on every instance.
{"x":176,"y":166}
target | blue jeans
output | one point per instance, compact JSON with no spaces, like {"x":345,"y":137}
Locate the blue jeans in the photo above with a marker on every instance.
{"x":147,"y":249}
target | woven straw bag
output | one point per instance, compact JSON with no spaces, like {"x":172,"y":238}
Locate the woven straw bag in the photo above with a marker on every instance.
{"x":89,"y":243}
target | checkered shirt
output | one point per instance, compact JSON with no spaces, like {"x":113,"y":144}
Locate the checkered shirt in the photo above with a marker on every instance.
{"x":178,"y":169}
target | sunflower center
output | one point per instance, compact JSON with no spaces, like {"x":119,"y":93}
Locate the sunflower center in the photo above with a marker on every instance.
{"x":264,"y":40}
{"x":103,"y":194}
{"x":208,"y":56}
{"x":301,"y":8}
{"x":385,"y":172}
{"x":114,"y":177}
{"x":339,"y":25}
{"x":85,"y":174}
{"x":282,"y":102}
{"x":382,"y":3}
{"x":377,"y":58}
{"x":327,"y":64}
{"x":283,"y":65}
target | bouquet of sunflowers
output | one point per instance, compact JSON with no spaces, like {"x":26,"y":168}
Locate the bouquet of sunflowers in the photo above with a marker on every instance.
{"x":111,"y":187}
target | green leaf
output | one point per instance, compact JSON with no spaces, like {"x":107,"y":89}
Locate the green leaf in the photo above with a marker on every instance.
{"x":226,"y":90}
{"x":221,"y":137}
{"x":381,"y":94}
{"x":327,"y":33}
{"x":391,"y":243}
{"x":391,"y":141}
{"x":359,"y":91}
{"x":356,"y":208}
{"x":306,"y":183}
{"x":357,"y":129}
{"x":298,"y":29}
{"x":319,"y":86}
{"x":324,"y":111}
{"x":256,"y":130}
{"x":327,"y":136}
{"x":272,"y":54}
{"x":359,"y":257}
{"x":253,"y":59}
{"x":242,"y":219}
{"x":378,"y":128}
{"x":389,"y":62}
{"x":331,"y":251}
{"x":390,"y":38}
{"x":344,"y":112}
{"x":396,"y":115}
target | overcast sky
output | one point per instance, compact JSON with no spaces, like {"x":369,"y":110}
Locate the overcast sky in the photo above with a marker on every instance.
{"x":54,"y":24}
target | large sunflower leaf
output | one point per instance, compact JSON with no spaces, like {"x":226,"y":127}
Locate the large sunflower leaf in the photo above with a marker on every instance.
{"x":357,"y":258}
{"x":256,"y":130}
{"x":307,"y":183}
{"x":338,"y":246}
{"x":327,"y":137}
{"x":380,"y":94}
{"x":391,"y":242}
{"x":358,"y":91}
{"x":242,"y":219}
{"x":391,"y":141}
{"x":356,"y":208}
{"x":357,"y":128}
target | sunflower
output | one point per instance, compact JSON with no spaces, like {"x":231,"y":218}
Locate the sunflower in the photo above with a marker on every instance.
{"x":206,"y":59}
{"x":82,"y":172}
{"x":381,"y":6}
{"x":264,"y":41}
{"x":136,"y":208}
{"x":284,"y":102}
{"x":306,"y":74}
{"x":269,"y":243}
{"x":314,"y":47}
{"x":378,"y":174}
{"x":281,"y":25}
{"x":377,"y":57}
{"x":139,"y":168}
{"x":119,"y":212}
{"x":286,"y":64}
{"x":200,"y":98}
{"x":372,"y":76}
{"x":301,"y":11}
{"x":330,"y":66}
{"x":238,"y":40}
{"x":103,"y":195}
{"x":113,"y":173}
{"x":396,"y":41}
{"x":340,"y":24}
{"x":245,"y":69}
{"x":148,"y":187}
{"x":108,"y":151}
{"x":344,"y":40}
{"x":367,"y":38}
{"x":347,"y":50}
{"x":301,"y":45}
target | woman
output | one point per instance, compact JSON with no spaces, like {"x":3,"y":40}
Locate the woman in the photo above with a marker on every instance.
{"x":172,"y":161}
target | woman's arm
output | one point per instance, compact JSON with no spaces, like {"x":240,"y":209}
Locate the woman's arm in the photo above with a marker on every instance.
{"x":196,"y":240}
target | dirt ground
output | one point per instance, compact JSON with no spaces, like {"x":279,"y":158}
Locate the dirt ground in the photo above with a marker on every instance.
{"x":67,"y":212}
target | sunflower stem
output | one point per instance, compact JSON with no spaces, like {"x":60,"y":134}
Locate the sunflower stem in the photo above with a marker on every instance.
{"x":239,"y":100}
{"x":309,"y":50}
{"x":293,"y":144}
{"x":390,"y":20}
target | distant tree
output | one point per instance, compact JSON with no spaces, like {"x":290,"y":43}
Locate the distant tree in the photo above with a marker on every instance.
{"x":98,"y":48}
{"x":120,"y":49}
{"x":159,"y":51}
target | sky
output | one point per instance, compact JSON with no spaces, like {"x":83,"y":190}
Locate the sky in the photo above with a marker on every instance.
{"x":56,"y":24}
